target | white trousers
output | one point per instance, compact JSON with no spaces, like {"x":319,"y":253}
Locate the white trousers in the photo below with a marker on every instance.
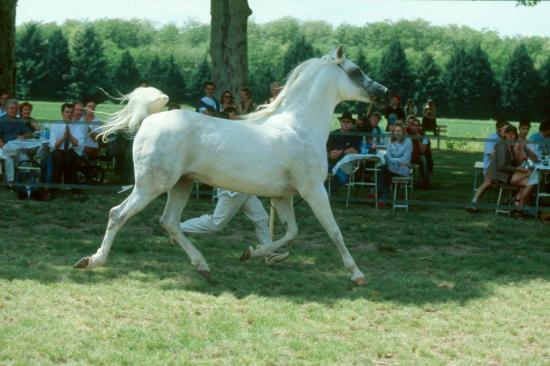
{"x":228,"y":205}
{"x":9,"y":165}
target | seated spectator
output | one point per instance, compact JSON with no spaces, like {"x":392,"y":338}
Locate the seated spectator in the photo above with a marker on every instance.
{"x":3,"y":107}
{"x":504,"y":168}
{"x":78,"y":111}
{"x":421,"y":153}
{"x":491,"y":142}
{"x":11,"y":128}
{"x":246,"y":105}
{"x":398,"y":160}
{"x":228,"y":101}
{"x":539,"y":142}
{"x":66,"y":142}
{"x":393,"y":112}
{"x":231,"y":113}
{"x":172,"y":106}
{"x":429,"y":117}
{"x":25,"y":110}
{"x":410,"y":108}
{"x":208,"y":104}
{"x":523,"y":132}
{"x":90,"y":126}
{"x":339,"y":145}
{"x":275,"y":89}
{"x":370,"y":126}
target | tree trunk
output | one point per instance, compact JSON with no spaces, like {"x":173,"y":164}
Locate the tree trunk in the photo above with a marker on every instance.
{"x":7,"y":46}
{"x":228,"y":44}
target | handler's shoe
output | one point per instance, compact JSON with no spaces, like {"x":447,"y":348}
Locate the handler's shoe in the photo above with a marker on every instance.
{"x":273,"y":258}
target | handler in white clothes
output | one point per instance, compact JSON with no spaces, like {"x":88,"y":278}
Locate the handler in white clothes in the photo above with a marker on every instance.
{"x":229,"y":203}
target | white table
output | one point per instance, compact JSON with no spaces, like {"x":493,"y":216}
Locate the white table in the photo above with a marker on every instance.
{"x":542,"y":170}
{"x":345,"y":162}
{"x":13,"y":146}
{"x":350,"y":162}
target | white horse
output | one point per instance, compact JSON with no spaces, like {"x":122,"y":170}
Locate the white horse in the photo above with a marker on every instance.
{"x":277,"y":152}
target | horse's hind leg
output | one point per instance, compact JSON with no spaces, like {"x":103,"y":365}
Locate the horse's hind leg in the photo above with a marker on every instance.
{"x":285,"y":210}
{"x":134,"y":203}
{"x":319,"y":203}
{"x":178,"y":196}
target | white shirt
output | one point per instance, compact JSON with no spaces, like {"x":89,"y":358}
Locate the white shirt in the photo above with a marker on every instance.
{"x":89,"y":128}
{"x":209,"y":101}
{"x":57,"y":130}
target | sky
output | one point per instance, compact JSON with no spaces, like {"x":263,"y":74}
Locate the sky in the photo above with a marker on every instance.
{"x":502,"y":16}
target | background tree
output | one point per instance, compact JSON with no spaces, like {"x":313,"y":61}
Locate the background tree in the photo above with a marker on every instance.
{"x":228,"y":43}
{"x":299,"y":51}
{"x":31,"y":63}
{"x":545,"y":86}
{"x":457,"y":83}
{"x":173,"y":83}
{"x":520,"y":86}
{"x":483,"y":90}
{"x":198,"y":77}
{"x":88,"y":66}
{"x":7,"y":46}
{"x":428,"y":83}
{"x":58,"y":66}
{"x":126,"y":74}
{"x":394,"y":71}
{"x":154,"y":73}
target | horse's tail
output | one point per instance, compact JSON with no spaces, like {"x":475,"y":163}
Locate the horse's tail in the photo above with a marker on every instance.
{"x":142,"y":102}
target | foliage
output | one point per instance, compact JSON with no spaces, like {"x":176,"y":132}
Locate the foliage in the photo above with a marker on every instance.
{"x":276,"y":47}
{"x":428,"y":83}
{"x":58,"y":64}
{"x":126,"y":74}
{"x":88,"y":66}
{"x":520,"y":86}
{"x":30,"y":63}
{"x":545,"y":86}
{"x":394,"y":71}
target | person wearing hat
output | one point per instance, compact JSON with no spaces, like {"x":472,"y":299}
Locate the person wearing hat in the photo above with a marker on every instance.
{"x":340,"y":143}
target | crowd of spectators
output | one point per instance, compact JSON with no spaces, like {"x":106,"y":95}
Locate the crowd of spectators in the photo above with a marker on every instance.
{"x":73,"y":138}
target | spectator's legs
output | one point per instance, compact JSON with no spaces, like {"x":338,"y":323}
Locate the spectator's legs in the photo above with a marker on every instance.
{"x":70,"y":166}
{"x":481,"y":190}
{"x":225,"y":210}
{"x":425,"y":176}
{"x":255,"y":211}
{"x":57,"y":166}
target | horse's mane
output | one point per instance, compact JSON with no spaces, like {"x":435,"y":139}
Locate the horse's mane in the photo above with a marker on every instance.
{"x":266,"y":110}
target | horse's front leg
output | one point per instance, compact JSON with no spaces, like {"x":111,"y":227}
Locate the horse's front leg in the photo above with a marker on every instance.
{"x":285,"y":210}
{"x":320,"y":205}
{"x":178,"y":196}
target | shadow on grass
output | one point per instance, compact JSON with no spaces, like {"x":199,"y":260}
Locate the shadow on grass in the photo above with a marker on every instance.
{"x":423,"y":257}
{"x":427,"y":256}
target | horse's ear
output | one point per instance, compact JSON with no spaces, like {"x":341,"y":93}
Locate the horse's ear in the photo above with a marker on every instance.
{"x":339,"y":53}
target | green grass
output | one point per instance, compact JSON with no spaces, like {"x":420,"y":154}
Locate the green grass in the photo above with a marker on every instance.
{"x":444,"y":287}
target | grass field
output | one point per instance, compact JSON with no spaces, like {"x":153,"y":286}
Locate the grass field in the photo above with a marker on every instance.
{"x":444,"y":287}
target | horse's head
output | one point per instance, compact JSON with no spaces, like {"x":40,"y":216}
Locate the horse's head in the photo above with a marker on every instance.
{"x":357,"y":86}
{"x":152,"y":98}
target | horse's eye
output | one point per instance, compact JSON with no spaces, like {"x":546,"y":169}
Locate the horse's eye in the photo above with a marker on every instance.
{"x":356,"y":72}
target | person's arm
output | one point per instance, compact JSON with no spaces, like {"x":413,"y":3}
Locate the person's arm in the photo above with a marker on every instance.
{"x":502,"y":162}
{"x":1,"y":143}
{"x":24,"y":132}
{"x":423,"y":144}
{"x":405,"y":151}
{"x":530,"y":154}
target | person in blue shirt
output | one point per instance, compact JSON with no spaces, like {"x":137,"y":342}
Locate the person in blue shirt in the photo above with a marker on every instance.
{"x":539,"y":142}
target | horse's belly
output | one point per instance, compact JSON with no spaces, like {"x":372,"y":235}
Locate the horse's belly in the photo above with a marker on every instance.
{"x":258,"y":182}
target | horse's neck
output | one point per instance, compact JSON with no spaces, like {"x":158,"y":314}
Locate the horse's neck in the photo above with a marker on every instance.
{"x":312,"y":112}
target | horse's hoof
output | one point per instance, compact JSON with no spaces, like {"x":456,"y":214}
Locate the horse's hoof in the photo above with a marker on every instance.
{"x":246,"y":254}
{"x":83,"y":263}
{"x":360,"y":281}
{"x":205,"y":275}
